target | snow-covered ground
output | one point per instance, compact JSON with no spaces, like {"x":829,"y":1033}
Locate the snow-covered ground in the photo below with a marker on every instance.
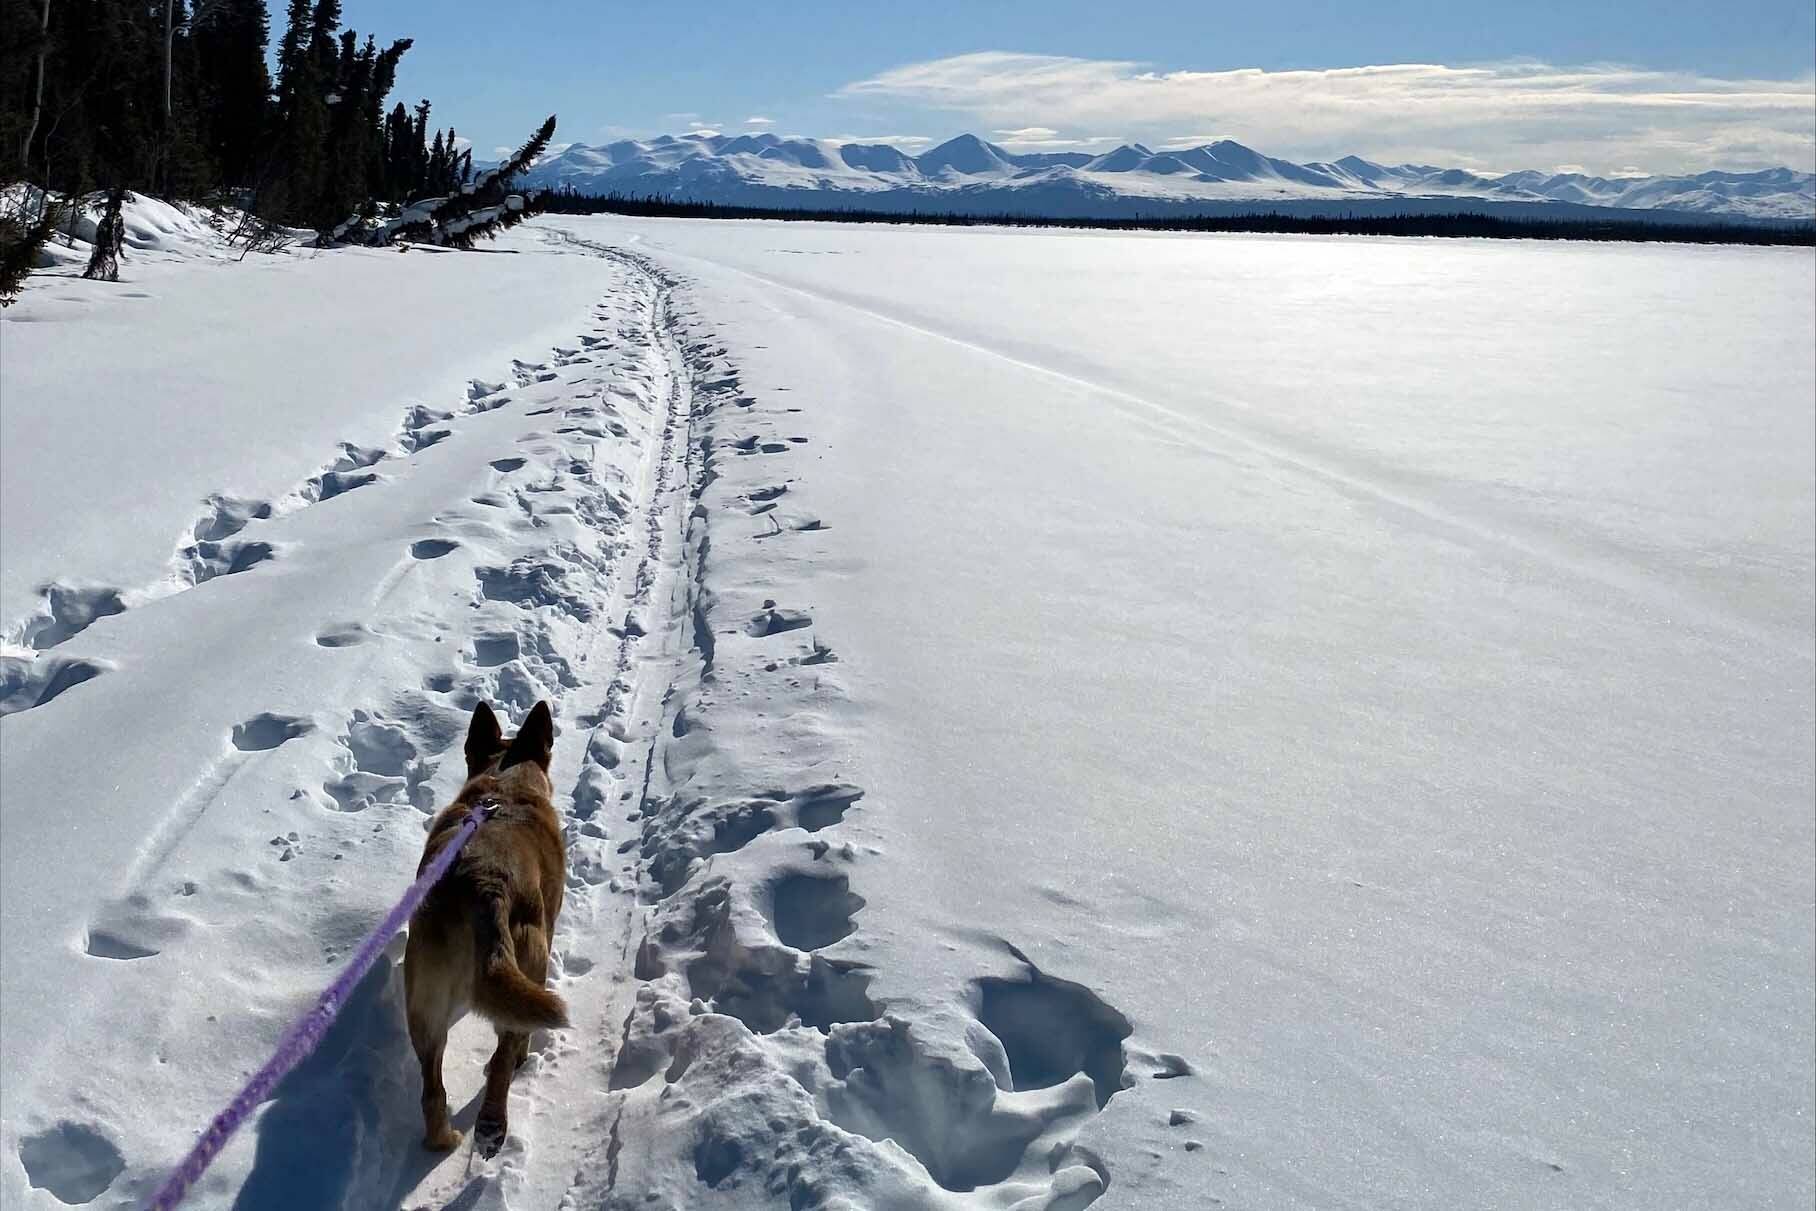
{"x":1045,"y":719}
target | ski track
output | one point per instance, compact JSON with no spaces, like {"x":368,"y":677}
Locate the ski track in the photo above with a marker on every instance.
{"x":725,"y":1048}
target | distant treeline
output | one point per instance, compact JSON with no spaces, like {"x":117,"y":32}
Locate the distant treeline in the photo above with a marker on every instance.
{"x":1456,"y":225}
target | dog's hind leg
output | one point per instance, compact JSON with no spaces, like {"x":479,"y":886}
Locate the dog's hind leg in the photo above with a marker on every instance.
{"x":532,"y":947}
{"x":426,"y":1012}
{"x":438,"y":1135}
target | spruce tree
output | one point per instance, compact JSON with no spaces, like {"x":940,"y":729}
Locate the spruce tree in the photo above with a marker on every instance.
{"x":435,"y":179}
{"x":230,"y":39}
{"x":26,"y":225}
{"x":291,"y":57}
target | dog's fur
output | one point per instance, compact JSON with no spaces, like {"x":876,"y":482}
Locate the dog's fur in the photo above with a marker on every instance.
{"x":481,"y":939}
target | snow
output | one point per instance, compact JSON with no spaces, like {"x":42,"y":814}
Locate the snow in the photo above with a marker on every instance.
{"x":1044,"y":719}
{"x":258,"y":369}
{"x":156,"y":231}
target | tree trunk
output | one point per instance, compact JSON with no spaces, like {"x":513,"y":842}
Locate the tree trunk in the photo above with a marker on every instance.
{"x":170,"y":38}
{"x":31,"y":131}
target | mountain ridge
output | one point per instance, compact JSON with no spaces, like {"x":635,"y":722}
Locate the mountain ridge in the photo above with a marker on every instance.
{"x":977,"y":174}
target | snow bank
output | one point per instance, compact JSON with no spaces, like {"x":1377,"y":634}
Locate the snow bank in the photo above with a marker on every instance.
{"x":156,"y":231}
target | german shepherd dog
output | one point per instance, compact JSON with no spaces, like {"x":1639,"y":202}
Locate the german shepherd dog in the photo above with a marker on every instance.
{"x":481,"y":939}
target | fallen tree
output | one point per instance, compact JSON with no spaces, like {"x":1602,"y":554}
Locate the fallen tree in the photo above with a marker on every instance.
{"x":481,"y":208}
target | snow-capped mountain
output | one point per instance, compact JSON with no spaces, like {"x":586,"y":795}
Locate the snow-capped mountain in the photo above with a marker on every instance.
{"x":967,"y":173}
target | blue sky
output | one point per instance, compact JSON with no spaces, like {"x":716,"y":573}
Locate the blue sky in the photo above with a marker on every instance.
{"x":1660,"y":86}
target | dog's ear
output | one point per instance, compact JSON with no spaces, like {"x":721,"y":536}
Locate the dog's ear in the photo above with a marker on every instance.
{"x":484,"y":739}
{"x":535,"y":741}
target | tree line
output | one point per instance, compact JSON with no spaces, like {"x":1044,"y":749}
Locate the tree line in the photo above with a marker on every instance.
{"x":1461,"y":224}
{"x":175,"y":98}
{"x":179,"y":99}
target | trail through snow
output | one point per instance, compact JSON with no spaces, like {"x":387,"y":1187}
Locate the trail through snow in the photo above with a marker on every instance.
{"x":1044,"y":721}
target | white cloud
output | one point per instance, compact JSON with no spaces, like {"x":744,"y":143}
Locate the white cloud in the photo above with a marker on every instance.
{"x":1045,"y":138}
{"x":905,"y":142}
{"x":1177,"y":141}
{"x":1504,"y":115}
{"x":759,"y":120}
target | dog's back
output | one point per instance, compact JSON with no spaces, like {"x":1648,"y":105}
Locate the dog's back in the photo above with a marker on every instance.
{"x":481,"y":939}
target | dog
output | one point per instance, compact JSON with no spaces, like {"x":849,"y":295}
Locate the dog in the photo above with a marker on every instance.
{"x":481,"y":939}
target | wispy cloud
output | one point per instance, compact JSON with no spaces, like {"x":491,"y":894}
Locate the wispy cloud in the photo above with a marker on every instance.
{"x":905,"y":142}
{"x":1046,"y":137}
{"x":1502,"y":115}
{"x":759,"y":120}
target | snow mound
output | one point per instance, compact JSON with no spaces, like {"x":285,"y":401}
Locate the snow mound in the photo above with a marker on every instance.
{"x":156,"y":231}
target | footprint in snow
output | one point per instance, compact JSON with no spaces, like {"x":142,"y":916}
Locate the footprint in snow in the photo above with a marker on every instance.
{"x":26,"y":684}
{"x":416,"y":441}
{"x":774,"y":621}
{"x":752,"y":444}
{"x":796,"y":525}
{"x":820,"y":807}
{"x":810,"y":912}
{"x":104,"y":945}
{"x":380,"y":764}
{"x":432,"y":548}
{"x":821,"y":654}
{"x":65,"y":612}
{"x":228,"y":515}
{"x":766,"y":495}
{"x":266,"y":731}
{"x":492,"y":650}
{"x":206,"y":561}
{"x":74,"y":1161}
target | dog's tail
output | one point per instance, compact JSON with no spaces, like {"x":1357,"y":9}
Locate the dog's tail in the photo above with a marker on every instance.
{"x":505,"y":996}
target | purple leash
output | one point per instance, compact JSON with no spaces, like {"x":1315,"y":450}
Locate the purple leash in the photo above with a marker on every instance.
{"x":307,"y":1032}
